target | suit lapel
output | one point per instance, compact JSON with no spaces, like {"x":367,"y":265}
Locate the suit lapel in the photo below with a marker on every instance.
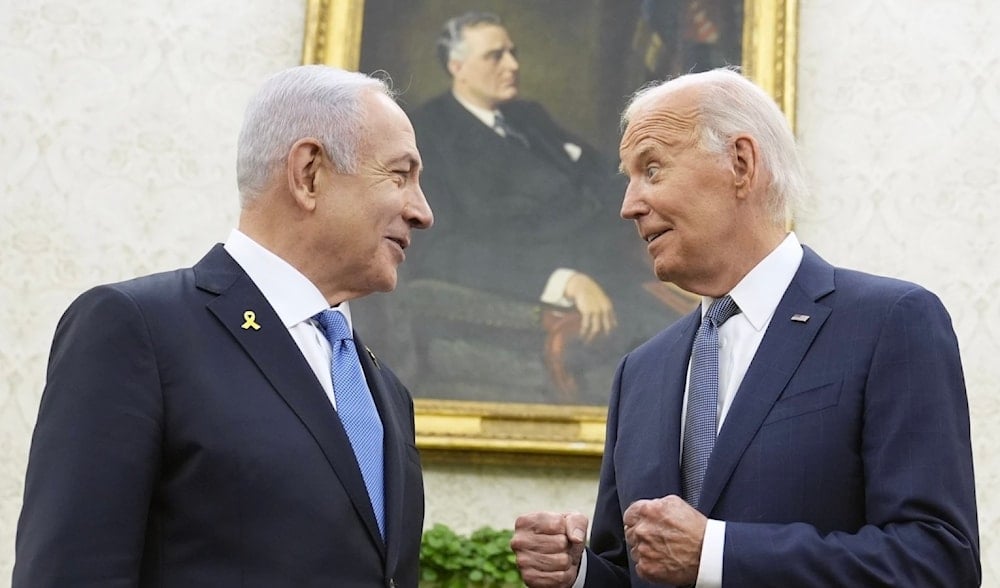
{"x":542,"y":144}
{"x":780,"y":353}
{"x":279,"y":359}
{"x":468,"y":132}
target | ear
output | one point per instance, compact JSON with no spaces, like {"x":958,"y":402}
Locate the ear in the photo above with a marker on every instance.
{"x":454,"y":66}
{"x":305,"y":161}
{"x":745,"y":158}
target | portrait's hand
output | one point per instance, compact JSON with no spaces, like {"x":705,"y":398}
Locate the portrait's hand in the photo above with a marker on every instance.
{"x":548,"y":546}
{"x":664,"y":538}
{"x":597,"y":313}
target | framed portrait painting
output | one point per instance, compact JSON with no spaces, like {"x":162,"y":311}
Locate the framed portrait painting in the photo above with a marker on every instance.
{"x":513,"y":311}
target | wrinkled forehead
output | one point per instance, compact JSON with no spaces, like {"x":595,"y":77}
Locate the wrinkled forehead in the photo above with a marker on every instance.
{"x":384,"y":118}
{"x":665,"y":118}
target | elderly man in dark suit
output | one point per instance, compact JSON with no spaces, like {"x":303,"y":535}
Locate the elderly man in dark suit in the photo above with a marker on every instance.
{"x":807,"y":426}
{"x":528,"y":211}
{"x":220,"y":425}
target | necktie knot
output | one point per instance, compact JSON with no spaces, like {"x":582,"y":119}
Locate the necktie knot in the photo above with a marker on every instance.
{"x":722,"y":310}
{"x":334,"y":325}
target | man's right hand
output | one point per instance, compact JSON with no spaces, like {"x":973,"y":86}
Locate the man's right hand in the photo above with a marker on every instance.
{"x":597,"y":313}
{"x":548,"y":546}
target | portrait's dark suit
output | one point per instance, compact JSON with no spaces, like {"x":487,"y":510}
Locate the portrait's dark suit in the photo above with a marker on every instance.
{"x":175,"y":448}
{"x":509,"y":216}
{"x":844,"y":460}
{"x":526,"y":210}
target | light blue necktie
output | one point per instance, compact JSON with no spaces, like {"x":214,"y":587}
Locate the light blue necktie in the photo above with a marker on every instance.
{"x":701,"y":422}
{"x":356,"y":408}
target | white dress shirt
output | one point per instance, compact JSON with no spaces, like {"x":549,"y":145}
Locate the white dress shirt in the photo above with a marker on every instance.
{"x":757,"y":295}
{"x":294,"y":298}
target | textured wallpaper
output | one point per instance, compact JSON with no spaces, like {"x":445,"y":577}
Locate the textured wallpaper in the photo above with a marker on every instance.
{"x":899,"y":106}
{"x":119,"y":124}
{"x":117,"y":157}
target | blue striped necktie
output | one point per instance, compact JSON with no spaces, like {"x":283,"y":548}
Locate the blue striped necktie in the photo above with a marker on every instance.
{"x":356,"y":408}
{"x":701,"y":423}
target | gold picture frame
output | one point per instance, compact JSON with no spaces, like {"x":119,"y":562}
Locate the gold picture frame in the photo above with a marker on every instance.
{"x":502,"y":432}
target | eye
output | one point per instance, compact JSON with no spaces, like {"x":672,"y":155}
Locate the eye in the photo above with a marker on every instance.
{"x":651,"y":170}
{"x":400,"y":176}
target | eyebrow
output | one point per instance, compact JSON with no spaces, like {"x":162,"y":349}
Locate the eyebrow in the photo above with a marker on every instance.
{"x":502,"y":48}
{"x":408,"y":157}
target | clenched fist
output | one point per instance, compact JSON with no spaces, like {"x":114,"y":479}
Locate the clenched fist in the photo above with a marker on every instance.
{"x":548,"y":546}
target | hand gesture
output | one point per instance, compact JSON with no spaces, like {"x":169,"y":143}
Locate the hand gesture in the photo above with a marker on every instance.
{"x":548,"y":546}
{"x":664,"y":537}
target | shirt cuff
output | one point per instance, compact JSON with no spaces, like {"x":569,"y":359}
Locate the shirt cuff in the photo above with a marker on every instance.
{"x":710,"y":567}
{"x":555,"y":288}
{"x":581,"y":574}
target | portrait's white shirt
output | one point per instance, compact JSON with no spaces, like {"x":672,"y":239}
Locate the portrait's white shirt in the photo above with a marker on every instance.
{"x":757,"y":295}
{"x":295,"y":300}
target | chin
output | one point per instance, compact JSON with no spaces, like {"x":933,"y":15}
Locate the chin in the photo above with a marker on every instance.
{"x":508,"y":95}
{"x":386,"y":283}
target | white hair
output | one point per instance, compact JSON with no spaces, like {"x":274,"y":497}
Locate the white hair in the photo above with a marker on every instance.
{"x":305,"y":101}
{"x":730,"y":104}
{"x":451,"y":42}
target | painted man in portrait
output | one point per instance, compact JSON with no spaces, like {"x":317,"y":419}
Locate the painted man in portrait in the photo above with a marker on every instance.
{"x":533,"y":286}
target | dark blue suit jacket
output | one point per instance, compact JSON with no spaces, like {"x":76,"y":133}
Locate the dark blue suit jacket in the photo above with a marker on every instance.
{"x":175,"y":449}
{"x":845,"y":458}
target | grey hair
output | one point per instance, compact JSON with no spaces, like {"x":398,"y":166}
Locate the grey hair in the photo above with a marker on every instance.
{"x":305,"y":101}
{"x":730,"y":104}
{"x":451,"y":43}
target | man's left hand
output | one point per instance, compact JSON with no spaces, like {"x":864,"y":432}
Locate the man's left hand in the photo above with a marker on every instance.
{"x":664,"y":537}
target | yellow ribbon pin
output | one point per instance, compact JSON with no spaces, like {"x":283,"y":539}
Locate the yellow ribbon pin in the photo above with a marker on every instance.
{"x":251,"y":322}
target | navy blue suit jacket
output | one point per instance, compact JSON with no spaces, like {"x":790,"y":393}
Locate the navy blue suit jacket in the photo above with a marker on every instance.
{"x":174,"y":448}
{"x":845,"y":459}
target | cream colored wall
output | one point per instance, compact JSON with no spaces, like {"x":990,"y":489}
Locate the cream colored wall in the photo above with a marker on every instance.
{"x":117,"y":135}
{"x":899,"y":112}
{"x":118,"y":124}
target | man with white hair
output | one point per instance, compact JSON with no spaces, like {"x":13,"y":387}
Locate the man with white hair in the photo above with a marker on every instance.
{"x":807,"y":426}
{"x":222,"y":425}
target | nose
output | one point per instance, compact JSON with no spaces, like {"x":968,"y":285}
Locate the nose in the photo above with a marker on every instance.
{"x":633,"y":205}
{"x":510,"y":62}
{"x":417,"y":212}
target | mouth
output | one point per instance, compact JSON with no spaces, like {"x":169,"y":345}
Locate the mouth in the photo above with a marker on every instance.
{"x":650,"y":237}
{"x":401,"y":242}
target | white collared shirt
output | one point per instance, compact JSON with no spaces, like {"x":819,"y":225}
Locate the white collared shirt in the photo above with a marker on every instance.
{"x":295,"y":300}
